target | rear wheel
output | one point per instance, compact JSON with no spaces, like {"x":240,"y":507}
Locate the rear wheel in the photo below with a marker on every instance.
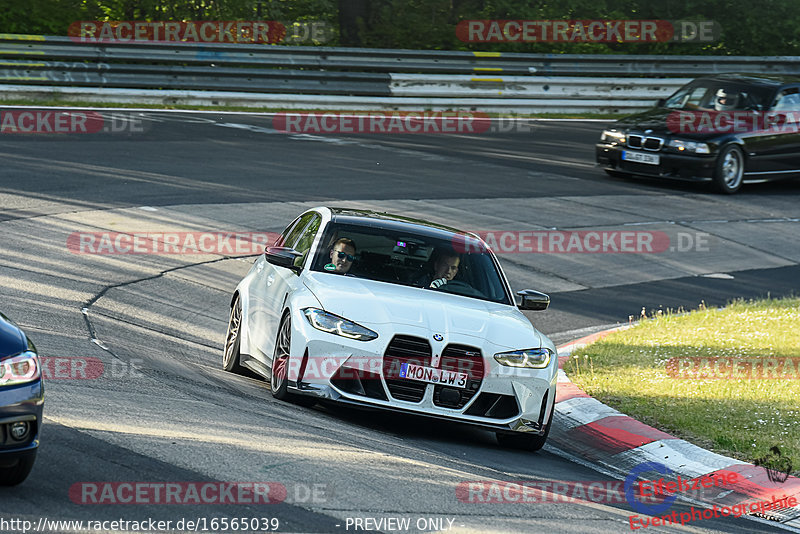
{"x":729,"y":170}
{"x":524,"y":440}
{"x":230,"y":354}
{"x":16,"y":473}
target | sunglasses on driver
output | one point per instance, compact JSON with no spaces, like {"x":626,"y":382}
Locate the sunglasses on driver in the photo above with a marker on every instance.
{"x":343,"y":255}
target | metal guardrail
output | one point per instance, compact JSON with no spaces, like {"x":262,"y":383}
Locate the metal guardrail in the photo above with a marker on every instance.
{"x":434,"y":79}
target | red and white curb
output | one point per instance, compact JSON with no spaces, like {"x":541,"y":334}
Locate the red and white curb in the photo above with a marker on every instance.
{"x":586,"y":429}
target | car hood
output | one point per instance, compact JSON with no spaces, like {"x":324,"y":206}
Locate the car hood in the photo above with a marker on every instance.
{"x":653,"y":119}
{"x":12,"y":340}
{"x":658,"y":121}
{"x":372,"y":303}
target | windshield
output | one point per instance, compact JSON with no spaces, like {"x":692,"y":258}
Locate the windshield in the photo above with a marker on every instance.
{"x":432,"y":261}
{"x":719,"y":95}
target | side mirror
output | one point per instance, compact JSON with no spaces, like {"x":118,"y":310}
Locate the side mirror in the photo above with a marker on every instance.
{"x":660,"y":102}
{"x":282,"y":256}
{"x":533,"y":300}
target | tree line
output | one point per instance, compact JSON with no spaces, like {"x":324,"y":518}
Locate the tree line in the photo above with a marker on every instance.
{"x":768,"y":27}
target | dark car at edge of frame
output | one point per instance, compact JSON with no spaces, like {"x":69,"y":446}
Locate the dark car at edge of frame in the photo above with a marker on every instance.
{"x":728,"y":129}
{"x":21,"y":403}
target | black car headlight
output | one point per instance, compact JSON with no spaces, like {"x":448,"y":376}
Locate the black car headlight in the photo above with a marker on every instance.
{"x":20,"y":369}
{"x":689,"y":146}
{"x":333,"y":324}
{"x":612,"y":136}
{"x":530,"y":358}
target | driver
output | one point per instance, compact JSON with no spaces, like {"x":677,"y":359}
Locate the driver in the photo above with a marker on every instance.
{"x":342,"y":256}
{"x":445,"y":268}
{"x":726,"y":100}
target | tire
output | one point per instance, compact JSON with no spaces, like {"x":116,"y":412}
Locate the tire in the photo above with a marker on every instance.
{"x":729,"y":170}
{"x":523,"y":440}
{"x":230,"y":352}
{"x":278,"y":382}
{"x":616,"y":174}
{"x":18,"y":472}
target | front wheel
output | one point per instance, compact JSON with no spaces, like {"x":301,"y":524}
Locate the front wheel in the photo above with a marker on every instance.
{"x":17,"y":473}
{"x":523,"y":440}
{"x":231,"y":353}
{"x":278,"y":381}
{"x":729,"y":170}
{"x":616,"y":174}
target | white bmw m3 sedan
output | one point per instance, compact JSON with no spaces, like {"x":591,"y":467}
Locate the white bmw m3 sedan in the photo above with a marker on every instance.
{"x":384,"y":311}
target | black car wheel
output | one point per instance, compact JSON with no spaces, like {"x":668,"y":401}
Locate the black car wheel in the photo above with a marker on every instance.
{"x":523,"y":440}
{"x":16,"y":473}
{"x":230,"y":354}
{"x":280,"y":360}
{"x":729,"y":171}
{"x":616,"y":174}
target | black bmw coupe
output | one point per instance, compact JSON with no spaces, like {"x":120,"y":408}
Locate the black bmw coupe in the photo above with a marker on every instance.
{"x":728,"y":129}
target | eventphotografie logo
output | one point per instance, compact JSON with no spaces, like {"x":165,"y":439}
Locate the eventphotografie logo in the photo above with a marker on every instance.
{"x":587,"y":31}
{"x":205,"y":31}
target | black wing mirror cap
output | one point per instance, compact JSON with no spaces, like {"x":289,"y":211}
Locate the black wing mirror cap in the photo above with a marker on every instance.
{"x":661,"y":102}
{"x":282,"y":256}
{"x":533,"y":300}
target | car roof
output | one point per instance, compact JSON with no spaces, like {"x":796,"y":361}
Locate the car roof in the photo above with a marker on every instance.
{"x":765,"y":80}
{"x":389,"y":221}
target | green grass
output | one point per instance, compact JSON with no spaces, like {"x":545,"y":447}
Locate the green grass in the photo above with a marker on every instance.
{"x":265,"y":109}
{"x":737,"y":417}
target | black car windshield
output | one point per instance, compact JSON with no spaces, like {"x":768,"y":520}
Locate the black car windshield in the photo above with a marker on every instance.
{"x":426,"y":258}
{"x":719,"y":95}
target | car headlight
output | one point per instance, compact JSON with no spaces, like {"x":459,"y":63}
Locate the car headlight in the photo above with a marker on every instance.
{"x":333,"y":324}
{"x":19,"y":369}
{"x":689,"y":146}
{"x":531,"y":358}
{"x":612,"y":136}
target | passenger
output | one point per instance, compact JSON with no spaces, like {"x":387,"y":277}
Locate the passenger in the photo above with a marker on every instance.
{"x":343,"y":254}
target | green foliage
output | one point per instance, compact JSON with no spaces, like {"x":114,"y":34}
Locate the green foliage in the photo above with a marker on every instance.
{"x":766,"y":28}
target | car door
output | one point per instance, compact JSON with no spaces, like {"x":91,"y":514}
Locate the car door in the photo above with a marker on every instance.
{"x":774,"y":142}
{"x":268,"y":289}
{"x":786,"y":115}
